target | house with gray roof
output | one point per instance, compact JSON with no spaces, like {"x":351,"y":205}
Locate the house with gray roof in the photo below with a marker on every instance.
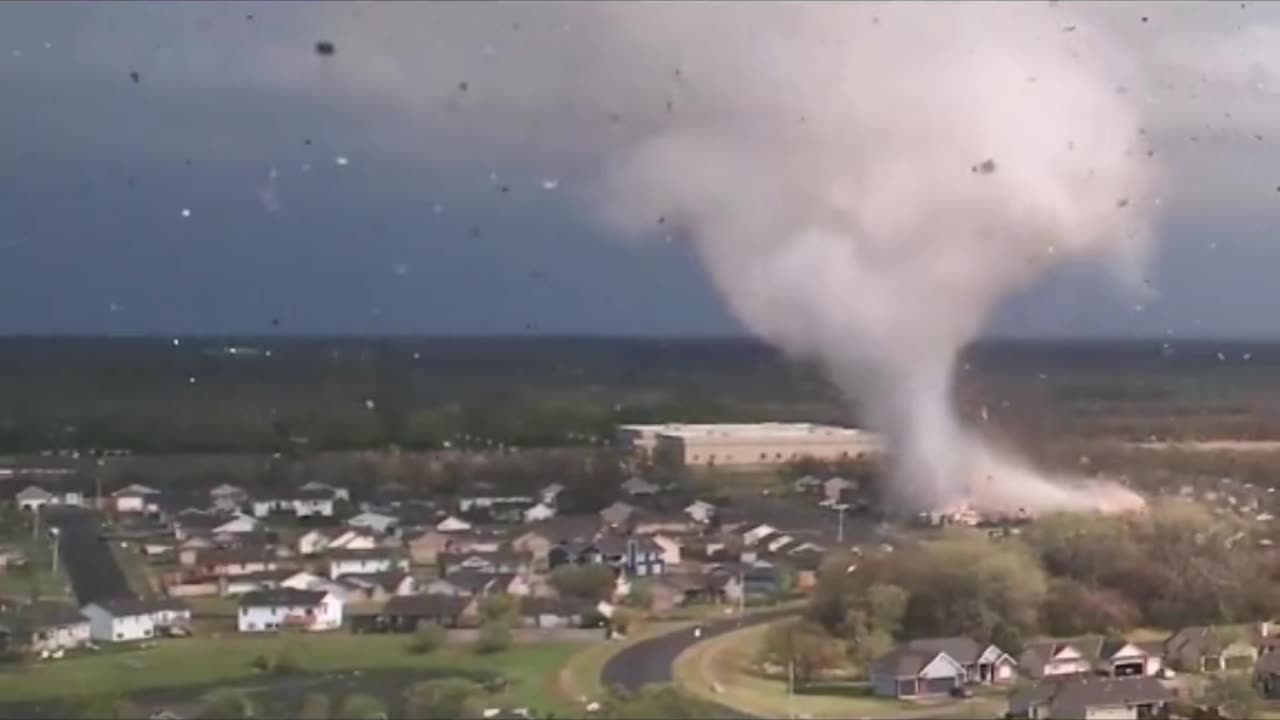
{"x":933,"y":666}
{"x":1086,"y":696}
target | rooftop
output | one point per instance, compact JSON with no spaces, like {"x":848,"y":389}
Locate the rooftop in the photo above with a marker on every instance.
{"x":765,"y":429}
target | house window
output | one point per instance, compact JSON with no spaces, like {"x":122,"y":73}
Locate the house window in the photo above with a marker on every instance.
{"x":119,"y":636}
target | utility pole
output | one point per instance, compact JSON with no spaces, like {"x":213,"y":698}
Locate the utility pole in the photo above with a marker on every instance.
{"x":742,"y":591}
{"x":840,"y":528}
{"x":791,"y":687}
{"x":57,"y":536}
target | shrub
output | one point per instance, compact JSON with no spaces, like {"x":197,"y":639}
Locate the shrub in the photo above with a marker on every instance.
{"x":493,"y":637}
{"x":428,"y":639}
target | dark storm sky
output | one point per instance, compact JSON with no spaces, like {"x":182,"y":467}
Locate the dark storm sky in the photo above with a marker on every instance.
{"x":413,"y":232}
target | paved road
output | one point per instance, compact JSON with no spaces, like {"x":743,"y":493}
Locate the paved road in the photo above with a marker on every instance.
{"x":94,"y":573}
{"x":650,"y":661}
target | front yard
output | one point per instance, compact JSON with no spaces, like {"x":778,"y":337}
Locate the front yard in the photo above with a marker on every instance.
{"x":716,"y":670}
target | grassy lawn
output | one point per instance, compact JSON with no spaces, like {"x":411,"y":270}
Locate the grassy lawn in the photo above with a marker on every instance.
{"x":531,"y":669}
{"x":721,"y":662}
{"x":18,"y":582}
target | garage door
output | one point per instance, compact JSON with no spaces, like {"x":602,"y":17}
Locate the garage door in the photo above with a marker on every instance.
{"x":937,"y":686}
{"x":1239,"y":662}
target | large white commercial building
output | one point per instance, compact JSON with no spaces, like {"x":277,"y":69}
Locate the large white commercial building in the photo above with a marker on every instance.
{"x":741,"y":444}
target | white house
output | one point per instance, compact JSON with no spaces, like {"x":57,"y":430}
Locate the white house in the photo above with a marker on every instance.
{"x":364,"y":562}
{"x":538,"y":513}
{"x":757,"y":533}
{"x":314,"y":503}
{"x":227,"y":497}
{"x":135,"y":498}
{"x":238,"y":524}
{"x":453,"y":524}
{"x":636,"y":487}
{"x":271,"y":610}
{"x":121,"y":620}
{"x":34,"y":497}
{"x":377,"y":522}
{"x":700,"y":511}
{"x":46,"y":627}
{"x":550,"y":493}
{"x":335,"y":492}
{"x":302,"y":581}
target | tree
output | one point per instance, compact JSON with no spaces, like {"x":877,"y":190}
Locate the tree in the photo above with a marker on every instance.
{"x":885,"y":605}
{"x":641,"y":595}
{"x":428,"y":638}
{"x":1070,"y":609}
{"x":803,"y":645}
{"x":501,"y":609}
{"x":111,"y":708}
{"x":442,"y":699}
{"x":1234,"y":694}
{"x":589,"y":582}
{"x":315,"y":706}
{"x":228,"y":703}
{"x":362,"y":707}
{"x":495,"y":636}
{"x":626,"y":620}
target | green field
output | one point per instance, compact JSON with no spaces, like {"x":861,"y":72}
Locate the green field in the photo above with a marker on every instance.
{"x":530,"y":669}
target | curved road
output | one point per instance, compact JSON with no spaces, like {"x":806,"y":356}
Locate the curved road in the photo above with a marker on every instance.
{"x":650,"y":661}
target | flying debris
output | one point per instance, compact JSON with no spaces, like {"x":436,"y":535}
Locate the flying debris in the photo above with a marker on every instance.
{"x":986,"y":167}
{"x":135,"y":77}
{"x":326,"y":48}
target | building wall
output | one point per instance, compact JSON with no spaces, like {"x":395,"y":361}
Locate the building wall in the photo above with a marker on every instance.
{"x":105,"y":628}
{"x":362,"y":566}
{"x":745,"y":444}
{"x":61,"y":637}
{"x":325,"y":616}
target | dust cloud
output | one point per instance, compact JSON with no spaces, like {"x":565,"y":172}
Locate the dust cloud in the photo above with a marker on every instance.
{"x":865,"y":183}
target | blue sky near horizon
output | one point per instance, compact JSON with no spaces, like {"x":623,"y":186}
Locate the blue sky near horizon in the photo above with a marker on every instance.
{"x":304,"y":214}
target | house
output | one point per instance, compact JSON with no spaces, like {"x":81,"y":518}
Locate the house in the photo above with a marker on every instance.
{"x":333,"y":491}
{"x":229,"y":563}
{"x":129,"y":619}
{"x":43,"y":627}
{"x":1090,"y":697}
{"x":757,"y":532}
{"x":647,"y":523}
{"x":237,"y":525}
{"x":240,"y":584}
{"x":635,"y":556}
{"x":377,"y":587}
{"x":1120,"y":658}
{"x":380,"y":523}
{"x":271,"y":610}
{"x":1266,"y":675}
{"x":551,"y":493}
{"x":499,"y":561}
{"x":453,"y":523}
{"x":669,"y":546}
{"x":1054,"y":659}
{"x":404,"y":613}
{"x":834,"y":488}
{"x":546,"y":613}
{"x":135,"y":498}
{"x":364,"y":562}
{"x":983,"y":663}
{"x":761,"y":579}
{"x":539,"y":538}
{"x":316,"y":502}
{"x":303,"y":581}
{"x":638,"y":487}
{"x":906,"y":672}
{"x":496,"y":505}
{"x":540,"y":512}
{"x":33,"y":497}
{"x":1210,"y":649}
{"x":700,"y":511}
{"x":227,"y":497}
{"x":617,"y":514}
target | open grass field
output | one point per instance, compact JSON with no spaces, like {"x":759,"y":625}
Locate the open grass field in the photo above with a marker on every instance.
{"x":721,"y":663}
{"x":530,"y":669}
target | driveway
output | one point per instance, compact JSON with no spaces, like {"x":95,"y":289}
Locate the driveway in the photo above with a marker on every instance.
{"x":650,"y":661}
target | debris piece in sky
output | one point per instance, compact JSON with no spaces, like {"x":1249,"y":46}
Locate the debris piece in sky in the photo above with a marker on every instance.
{"x":1122,"y":202}
{"x":191,"y":380}
{"x":475,"y":231}
{"x":505,"y":188}
{"x":369,"y":404}
{"x":249,"y":17}
{"x":186,"y":213}
{"x":324,"y":47}
{"x":275,"y":321}
{"x":341,"y":160}
{"x":1069,"y":28}
{"x":135,"y":77}
{"x":668,"y":106}
{"x":615,"y":118}
{"x":463,"y":86}
{"x":306,"y":141}
{"x":550,"y":184}
{"x":1144,"y":18}
{"x":437,"y":208}
{"x":986,"y":167}
{"x":176,"y":342}
{"x":402,"y":269}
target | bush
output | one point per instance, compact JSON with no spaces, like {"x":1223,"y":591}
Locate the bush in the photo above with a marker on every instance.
{"x":445,"y":698}
{"x":493,"y":637}
{"x":315,"y":706}
{"x":428,"y":639}
{"x":362,"y":707}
